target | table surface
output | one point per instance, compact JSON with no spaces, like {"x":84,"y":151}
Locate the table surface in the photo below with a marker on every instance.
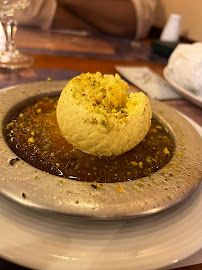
{"x":61,"y":55}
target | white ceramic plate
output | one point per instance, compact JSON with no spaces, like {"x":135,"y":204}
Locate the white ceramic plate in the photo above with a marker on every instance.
{"x":191,"y":96}
{"x":47,"y":241}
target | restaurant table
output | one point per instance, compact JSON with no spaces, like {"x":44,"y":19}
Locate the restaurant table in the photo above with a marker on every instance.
{"x":63,"y":55}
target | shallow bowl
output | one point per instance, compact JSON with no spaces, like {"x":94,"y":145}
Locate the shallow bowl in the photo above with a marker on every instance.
{"x":37,"y":189}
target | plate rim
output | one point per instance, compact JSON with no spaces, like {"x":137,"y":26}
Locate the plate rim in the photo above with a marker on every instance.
{"x":197,"y":100}
{"x":169,"y":261}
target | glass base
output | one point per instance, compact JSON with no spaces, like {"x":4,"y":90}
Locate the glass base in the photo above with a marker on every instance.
{"x":15,"y":60}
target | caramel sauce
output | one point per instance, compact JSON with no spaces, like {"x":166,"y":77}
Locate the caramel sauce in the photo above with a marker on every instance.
{"x":35,"y":137}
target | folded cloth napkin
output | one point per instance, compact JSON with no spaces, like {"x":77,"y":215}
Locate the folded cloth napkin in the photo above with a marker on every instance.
{"x":186,"y":65}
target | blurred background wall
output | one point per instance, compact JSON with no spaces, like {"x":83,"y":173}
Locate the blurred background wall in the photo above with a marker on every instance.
{"x":191,"y":12}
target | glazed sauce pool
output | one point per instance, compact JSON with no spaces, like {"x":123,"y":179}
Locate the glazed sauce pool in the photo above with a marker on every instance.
{"x":35,"y":137}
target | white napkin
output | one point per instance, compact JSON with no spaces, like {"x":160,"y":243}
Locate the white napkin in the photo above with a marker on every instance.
{"x":186,"y":65}
{"x":150,"y":83}
{"x":2,"y":39}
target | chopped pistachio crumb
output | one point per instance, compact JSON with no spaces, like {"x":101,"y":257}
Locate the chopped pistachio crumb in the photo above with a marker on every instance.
{"x":58,"y":164}
{"x":38,"y":110}
{"x":31,"y":140}
{"x":139,"y":184}
{"x":140,"y":164}
{"x":10,"y":124}
{"x":166,"y":151}
{"x":149,"y":159}
{"x":134,"y":163}
{"x":48,"y":79}
{"x":178,"y":154}
{"x":77,"y":166}
{"x":119,"y":189}
{"x":98,"y":185}
{"x":159,"y":127}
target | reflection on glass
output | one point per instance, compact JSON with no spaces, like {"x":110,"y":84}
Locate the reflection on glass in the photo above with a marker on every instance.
{"x":12,"y":58}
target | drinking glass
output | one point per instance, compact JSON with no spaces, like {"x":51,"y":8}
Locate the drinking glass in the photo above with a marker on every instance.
{"x":12,"y":58}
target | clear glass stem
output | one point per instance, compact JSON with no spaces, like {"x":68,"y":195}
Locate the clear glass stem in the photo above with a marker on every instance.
{"x":10,"y":28}
{"x":12,"y":58}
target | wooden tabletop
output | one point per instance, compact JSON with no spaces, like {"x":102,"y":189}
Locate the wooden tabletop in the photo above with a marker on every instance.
{"x":56,"y":54}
